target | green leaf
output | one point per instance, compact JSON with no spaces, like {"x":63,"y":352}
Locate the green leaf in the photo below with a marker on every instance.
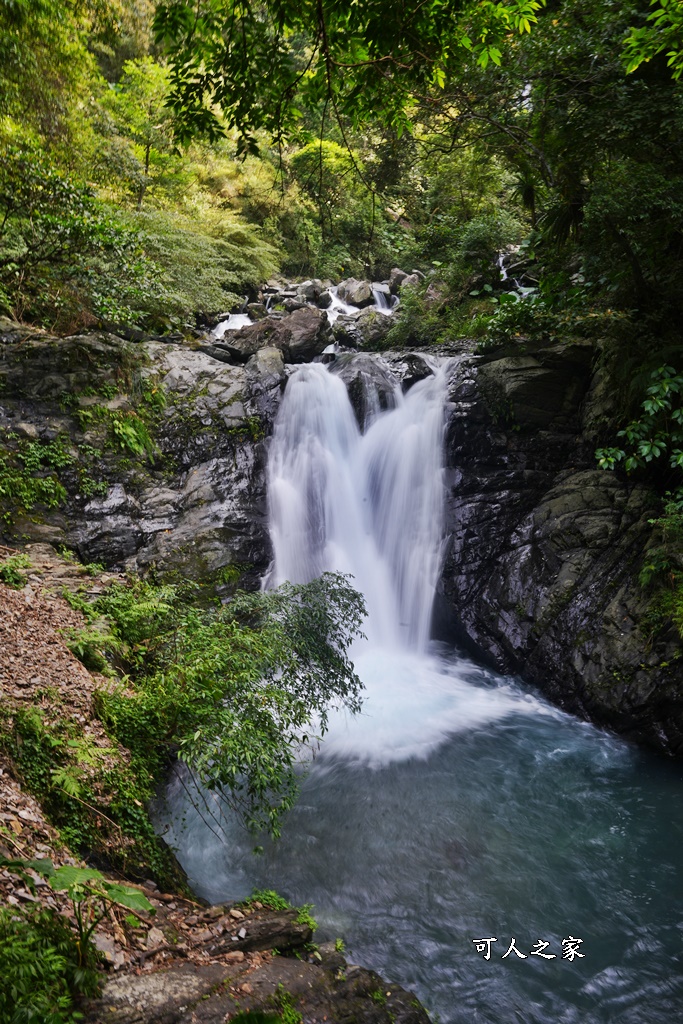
{"x":67,"y":876}
{"x":126,"y":896}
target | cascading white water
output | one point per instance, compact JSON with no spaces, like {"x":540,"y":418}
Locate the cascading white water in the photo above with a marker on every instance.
{"x":382,"y":304}
{"x":369,"y":505}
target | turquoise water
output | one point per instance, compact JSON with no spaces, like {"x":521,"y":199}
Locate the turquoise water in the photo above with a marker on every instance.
{"x":459,"y":805}
{"x":503,"y":817}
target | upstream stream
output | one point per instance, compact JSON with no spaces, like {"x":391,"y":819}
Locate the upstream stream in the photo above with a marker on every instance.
{"x":459,"y":806}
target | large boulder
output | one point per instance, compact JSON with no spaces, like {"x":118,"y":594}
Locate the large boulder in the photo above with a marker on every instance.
{"x":300,"y":337}
{"x":309,"y":291}
{"x":356,"y":293}
{"x":257,"y":310}
{"x":396,"y":277}
{"x":325,"y":987}
{"x":304,"y":335}
{"x":371,"y":385}
{"x":537,"y":389}
{"x":365,"y":329}
{"x":345,"y":330}
{"x":382,"y":288}
{"x":245,"y":343}
{"x":267,"y":366}
{"x":372,"y":327}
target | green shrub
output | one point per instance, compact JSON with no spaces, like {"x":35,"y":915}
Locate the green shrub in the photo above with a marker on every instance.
{"x":662,"y":571}
{"x":231,"y":691}
{"x":64,"y":260}
{"x":417,"y":322}
{"x":284,"y":1002}
{"x":206,"y":262}
{"x":658,"y":433}
{"x":10,"y":570}
{"x":96,"y":800}
{"x":269,"y":898}
{"x":40,"y":968}
{"x":21,"y":489}
{"x":88,"y":643}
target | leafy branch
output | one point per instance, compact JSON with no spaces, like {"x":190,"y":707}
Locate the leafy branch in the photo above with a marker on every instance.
{"x":91,"y":894}
{"x":658,"y":433}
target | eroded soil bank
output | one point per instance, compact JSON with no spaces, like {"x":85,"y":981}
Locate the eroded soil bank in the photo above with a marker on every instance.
{"x":184,"y":961}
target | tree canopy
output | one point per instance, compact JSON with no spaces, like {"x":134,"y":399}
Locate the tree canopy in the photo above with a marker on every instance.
{"x":370,"y":61}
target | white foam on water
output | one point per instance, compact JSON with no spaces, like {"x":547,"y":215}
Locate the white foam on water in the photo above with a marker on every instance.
{"x":413,"y":703}
{"x":233,"y":323}
{"x":339,"y":308}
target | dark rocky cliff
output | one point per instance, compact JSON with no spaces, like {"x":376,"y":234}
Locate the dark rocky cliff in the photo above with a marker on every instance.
{"x":194,"y":499}
{"x":545,"y":549}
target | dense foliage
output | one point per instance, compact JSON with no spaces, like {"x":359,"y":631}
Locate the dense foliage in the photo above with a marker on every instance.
{"x":160,"y":161}
{"x":39,"y":966}
{"x":259,"y":64}
{"x":237,"y":693}
{"x":102,"y":219}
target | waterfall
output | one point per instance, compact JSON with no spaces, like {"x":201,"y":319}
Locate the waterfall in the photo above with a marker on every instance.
{"x":366,"y":504}
{"x":372,"y":505}
{"x":383,"y":299}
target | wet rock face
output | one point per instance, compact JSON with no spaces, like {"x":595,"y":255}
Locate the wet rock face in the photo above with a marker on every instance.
{"x":544,"y":549}
{"x":370,"y":384}
{"x":409,"y":367}
{"x":198,"y":501}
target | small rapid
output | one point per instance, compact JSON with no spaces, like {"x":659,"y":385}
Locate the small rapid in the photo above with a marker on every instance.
{"x":458,"y":805}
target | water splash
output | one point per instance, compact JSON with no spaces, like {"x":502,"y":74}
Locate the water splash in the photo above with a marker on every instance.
{"x":234,"y":322}
{"x":371,"y":505}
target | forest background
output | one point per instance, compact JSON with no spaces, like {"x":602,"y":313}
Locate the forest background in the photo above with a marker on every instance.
{"x":158,"y":162}
{"x":116,"y":206}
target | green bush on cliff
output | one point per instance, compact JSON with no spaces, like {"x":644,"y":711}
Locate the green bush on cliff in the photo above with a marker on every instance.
{"x":22,"y":488}
{"x":39,"y":968}
{"x":94,"y":797}
{"x":657,"y":435}
{"x":233,"y":692}
{"x":662,"y":570}
{"x":654,"y":442}
{"x":68,"y":259}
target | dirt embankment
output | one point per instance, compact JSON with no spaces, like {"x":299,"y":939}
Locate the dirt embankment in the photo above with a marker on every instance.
{"x":183,"y":961}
